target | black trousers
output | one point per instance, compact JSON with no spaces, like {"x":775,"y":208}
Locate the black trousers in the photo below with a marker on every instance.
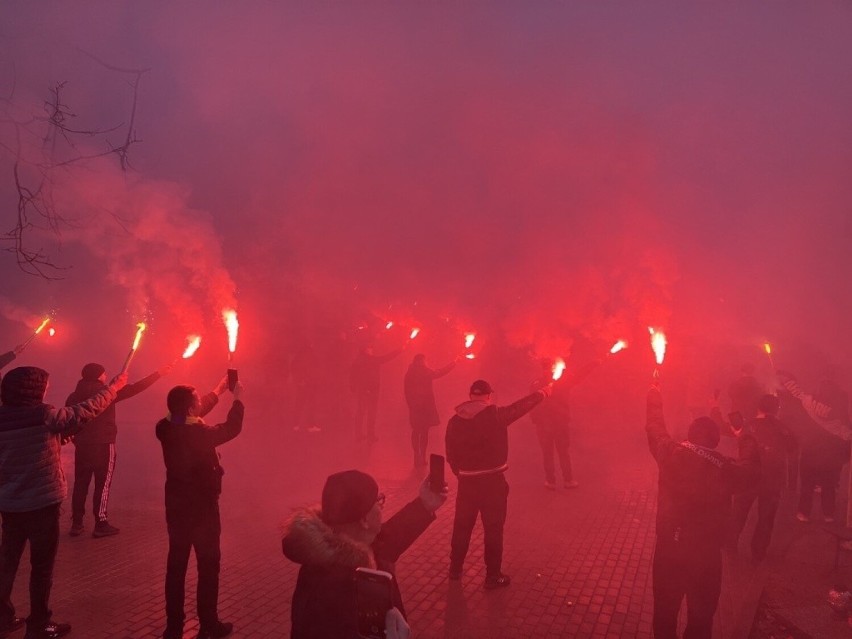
{"x":815,"y":473}
{"x":555,"y":440}
{"x":419,"y":442}
{"x":487,"y":496}
{"x":686,"y":569}
{"x":193,"y":525}
{"x":767,"y":507}
{"x":366,"y":411}
{"x":98,"y":461}
{"x":41,"y":529}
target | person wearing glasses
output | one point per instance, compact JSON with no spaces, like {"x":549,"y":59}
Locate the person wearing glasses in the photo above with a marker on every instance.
{"x":343,"y":533}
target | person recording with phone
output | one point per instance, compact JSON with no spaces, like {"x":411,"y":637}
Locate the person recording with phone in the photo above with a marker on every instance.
{"x":333,"y":540}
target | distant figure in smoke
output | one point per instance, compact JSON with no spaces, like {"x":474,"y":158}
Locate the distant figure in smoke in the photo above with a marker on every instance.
{"x":422,"y":408}
{"x":365,"y":381}
{"x":693,"y":509}
{"x":193,"y":485}
{"x":477,"y":452}
{"x":551,"y":421}
{"x":344,"y":533}
{"x":827,"y":451}
{"x":307,"y":380}
{"x":94,"y":448}
{"x":8,"y":358}
{"x":745,"y":393}
{"x":776,"y":444}
{"x":33,"y":488}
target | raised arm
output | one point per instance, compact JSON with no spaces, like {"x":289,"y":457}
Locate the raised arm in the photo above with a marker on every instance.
{"x":230,"y":428}
{"x":70,"y":419}
{"x":513,"y":412}
{"x":442,"y":371}
{"x":134,"y":389}
{"x":660,"y":442}
{"x":7,"y":358}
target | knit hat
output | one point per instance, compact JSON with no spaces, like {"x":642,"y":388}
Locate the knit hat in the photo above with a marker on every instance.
{"x":347,"y":497}
{"x":704,"y":432}
{"x":92,"y":371}
{"x":23,"y":386}
{"x":481,"y":387}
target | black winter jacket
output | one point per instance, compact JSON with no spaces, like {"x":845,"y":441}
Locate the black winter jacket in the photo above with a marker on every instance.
{"x":103,"y":429}
{"x":696,"y":483}
{"x":420,"y":396}
{"x":477,"y":437}
{"x":324,"y":603}
{"x":193,"y":472}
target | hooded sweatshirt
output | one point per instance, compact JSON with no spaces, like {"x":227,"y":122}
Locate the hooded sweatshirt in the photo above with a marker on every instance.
{"x":478,"y":437}
{"x":324,"y":601}
{"x":103,"y":429}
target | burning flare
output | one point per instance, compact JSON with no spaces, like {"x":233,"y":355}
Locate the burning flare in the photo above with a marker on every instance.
{"x":140,"y":328}
{"x":558,"y":368}
{"x":42,"y":325}
{"x":193,"y":342}
{"x":658,"y":344}
{"x":470,"y":356}
{"x":768,"y":348}
{"x":389,"y":325}
{"x":620,"y":345}
{"x":414,"y":333}
{"x":468,"y":340}
{"x":51,"y":331}
{"x":229,"y":316}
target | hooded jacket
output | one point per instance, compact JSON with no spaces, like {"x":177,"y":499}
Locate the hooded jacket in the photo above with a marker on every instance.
{"x":696,"y":483}
{"x":31,"y":474}
{"x":103,"y":429}
{"x":477,"y":437}
{"x":324,"y":601}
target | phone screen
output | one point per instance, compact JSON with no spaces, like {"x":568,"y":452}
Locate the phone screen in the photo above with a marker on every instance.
{"x":436,"y":473}
{"x":373,"y":595}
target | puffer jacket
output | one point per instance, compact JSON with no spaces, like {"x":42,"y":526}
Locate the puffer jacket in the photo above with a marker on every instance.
{"x":31,"y":474}
{"x":696,"y":483}
{"x":324,"y":601}
{"x":477,"y":437}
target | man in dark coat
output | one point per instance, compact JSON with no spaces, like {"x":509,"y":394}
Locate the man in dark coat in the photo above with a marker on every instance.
{"x":422,"y":408}
{"x":193,"y":485}
{"x":346,"y":532}
{"x":33,"y":488}
{"x":94,"y":449}
{"x":745,"y":393}
{"x":693,"y":511}
{"x":478,"y":453}
{"x":365,"y":380}
{"x":776,"y":445}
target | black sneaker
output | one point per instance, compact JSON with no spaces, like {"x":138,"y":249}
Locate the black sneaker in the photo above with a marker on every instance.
{"x":11,"y":626}
{"x":103,"y":529}
{"x":50,"y":630}
{"x":221,"y":629}
{"x":497,"y":581}
{"x":76,"y":528}
{"x":173,"y":633}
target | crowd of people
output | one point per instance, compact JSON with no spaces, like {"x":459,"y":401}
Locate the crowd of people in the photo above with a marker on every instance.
{"x":704,"y":497}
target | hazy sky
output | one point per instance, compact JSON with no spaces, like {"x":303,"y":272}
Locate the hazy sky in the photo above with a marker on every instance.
{"x":549,"y":169}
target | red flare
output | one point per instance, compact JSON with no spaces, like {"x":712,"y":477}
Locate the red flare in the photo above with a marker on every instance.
{"x":558,"y":368}
{"x":140,"y":328}
{"x":658,"y":344}
{"x":229,"y":316}
{"x":468,"y":339}
{"x":620,"y":345}
{"x":42,"y":325}
{"x":414,"y":333}
{"x":193,"y":342}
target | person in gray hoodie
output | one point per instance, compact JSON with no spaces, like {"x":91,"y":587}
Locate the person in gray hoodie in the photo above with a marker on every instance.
{"x":33,"y":487}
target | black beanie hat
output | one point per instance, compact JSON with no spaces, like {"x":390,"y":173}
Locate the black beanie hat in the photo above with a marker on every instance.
{"x":347,"y":497}
{"x":704,"y":432}
{"x":481,"y":387}
{"x":23,"y":386}
{"x":92,"y":371}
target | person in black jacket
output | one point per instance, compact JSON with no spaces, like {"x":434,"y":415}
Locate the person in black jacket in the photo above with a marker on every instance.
{"x":478,"y":451}
{"x":344,"y":533}
{"x":193,"y":485}
{"x":422,"y":408}
{"x":365,"y":380}
{"x":696,"y":485}
{"x":776,"y":445}
{"x":94,"y":449}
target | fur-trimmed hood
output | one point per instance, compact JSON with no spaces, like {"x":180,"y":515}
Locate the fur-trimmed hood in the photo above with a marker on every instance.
{"x":309,"y":541}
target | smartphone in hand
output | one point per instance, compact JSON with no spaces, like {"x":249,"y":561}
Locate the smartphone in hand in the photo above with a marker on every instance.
{"x":373,"y":599}
{"x":436,"y":473}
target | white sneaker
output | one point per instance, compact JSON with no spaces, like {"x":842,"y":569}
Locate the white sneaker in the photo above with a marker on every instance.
{"x":802,"y":517}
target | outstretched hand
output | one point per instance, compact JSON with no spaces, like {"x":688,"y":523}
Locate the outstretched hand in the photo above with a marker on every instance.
{"x":19,"y":349}
{"x":396,"y":627}
{"x":165,"y":370}
{"x":546,"y":390}
{"x":238,"y":391}
{"x":222,"y":386}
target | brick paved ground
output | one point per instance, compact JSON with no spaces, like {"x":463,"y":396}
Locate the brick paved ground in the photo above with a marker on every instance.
{"x":580,"y":559}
